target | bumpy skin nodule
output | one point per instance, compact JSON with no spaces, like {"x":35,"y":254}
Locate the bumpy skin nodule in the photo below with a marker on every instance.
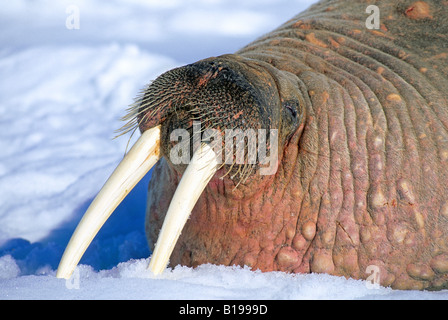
{"x":363,"y":150}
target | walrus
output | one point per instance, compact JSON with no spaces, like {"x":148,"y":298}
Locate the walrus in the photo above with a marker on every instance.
{"x":352,"y":115}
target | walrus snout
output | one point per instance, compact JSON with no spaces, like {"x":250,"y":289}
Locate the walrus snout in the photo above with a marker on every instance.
{"x":214,"y":100}
{"x":216,"y":91}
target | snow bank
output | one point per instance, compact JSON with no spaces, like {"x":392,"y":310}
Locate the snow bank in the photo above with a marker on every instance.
{"x":62,"y":94}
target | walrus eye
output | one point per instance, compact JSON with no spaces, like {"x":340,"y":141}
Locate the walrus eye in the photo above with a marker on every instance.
{"x":292,"y":107}
{"x":291,"y":110}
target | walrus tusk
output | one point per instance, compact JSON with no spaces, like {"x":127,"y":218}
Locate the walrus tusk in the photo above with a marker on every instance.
{"x":137,"y":162}
{"x":194,"y":180}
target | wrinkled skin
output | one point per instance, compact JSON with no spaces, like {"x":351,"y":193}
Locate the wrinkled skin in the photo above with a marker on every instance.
{"x":362,"y":178}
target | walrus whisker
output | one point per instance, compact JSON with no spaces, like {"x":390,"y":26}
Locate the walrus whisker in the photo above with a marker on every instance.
{"x":129,"y":141}
{"x":228,"y":171}
{"x":246,"y":175}
{"x":247,"y":168}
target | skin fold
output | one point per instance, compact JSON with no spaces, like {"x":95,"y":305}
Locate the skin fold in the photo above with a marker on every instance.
{"x":362,"y":172}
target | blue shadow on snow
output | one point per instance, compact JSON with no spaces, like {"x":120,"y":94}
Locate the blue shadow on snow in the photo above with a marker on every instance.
{"x":120,"y":239}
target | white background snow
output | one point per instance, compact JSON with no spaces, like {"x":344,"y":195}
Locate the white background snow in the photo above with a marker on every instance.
{"x":62,"y":93}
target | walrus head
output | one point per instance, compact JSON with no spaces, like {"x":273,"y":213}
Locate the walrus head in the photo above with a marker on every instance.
{"x":235,"y":115}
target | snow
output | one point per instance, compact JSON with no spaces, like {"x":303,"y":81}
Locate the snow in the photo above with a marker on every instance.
{"x":63,"y":90}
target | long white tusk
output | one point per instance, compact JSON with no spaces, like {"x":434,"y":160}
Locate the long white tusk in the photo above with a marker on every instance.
{"x":196,"y":177}
{"x":137,"y":162}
